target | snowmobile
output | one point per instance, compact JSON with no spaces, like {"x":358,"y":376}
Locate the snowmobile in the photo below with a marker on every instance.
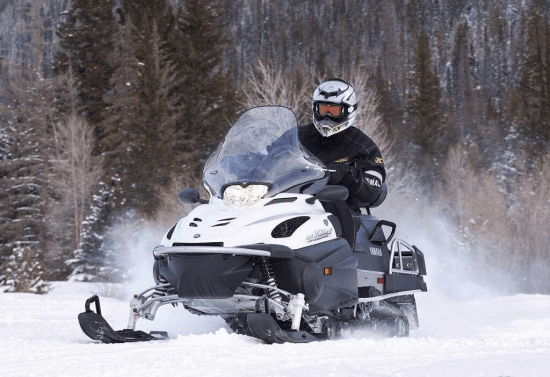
{"x":263,"y":253}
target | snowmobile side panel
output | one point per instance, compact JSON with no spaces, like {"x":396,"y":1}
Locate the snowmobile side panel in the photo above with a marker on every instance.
{"x":373,"y":257}
{"x":322,"y":250}
{"x":312,"y":276}
{"x":207,"y":275}
{"x":325,"y":272}
{"x":336,"y":224}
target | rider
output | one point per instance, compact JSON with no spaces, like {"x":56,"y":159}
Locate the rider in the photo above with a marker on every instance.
{"x":352,"y":157}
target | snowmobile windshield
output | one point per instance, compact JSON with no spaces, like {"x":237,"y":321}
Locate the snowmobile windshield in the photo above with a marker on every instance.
{"x":262,"y":147}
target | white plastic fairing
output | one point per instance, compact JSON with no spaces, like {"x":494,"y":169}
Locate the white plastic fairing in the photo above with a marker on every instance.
{"x":217,"y":223}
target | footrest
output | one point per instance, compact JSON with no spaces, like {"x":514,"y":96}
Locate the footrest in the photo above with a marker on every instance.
{"x":264,"y":327}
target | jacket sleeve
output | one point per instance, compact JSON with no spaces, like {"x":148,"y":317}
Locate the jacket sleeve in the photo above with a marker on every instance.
{"x":369,"y":174}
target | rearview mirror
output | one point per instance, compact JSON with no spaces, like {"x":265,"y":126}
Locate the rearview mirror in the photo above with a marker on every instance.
{"x":191,"y":196}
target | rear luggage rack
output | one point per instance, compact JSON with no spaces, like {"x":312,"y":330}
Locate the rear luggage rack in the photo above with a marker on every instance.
{"x":404,"y":259}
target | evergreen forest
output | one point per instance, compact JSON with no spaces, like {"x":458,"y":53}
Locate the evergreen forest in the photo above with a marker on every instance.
{"x":109,"y":107}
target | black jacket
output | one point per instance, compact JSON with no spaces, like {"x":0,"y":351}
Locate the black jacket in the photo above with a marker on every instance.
{"x":352,"y":147}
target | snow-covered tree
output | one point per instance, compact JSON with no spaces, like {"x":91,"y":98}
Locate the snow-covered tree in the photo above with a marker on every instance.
{"x":25,"y":271}
{"x":95,"y":259}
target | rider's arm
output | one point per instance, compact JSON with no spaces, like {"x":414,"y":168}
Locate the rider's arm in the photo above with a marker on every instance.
{"x":368,"y":175}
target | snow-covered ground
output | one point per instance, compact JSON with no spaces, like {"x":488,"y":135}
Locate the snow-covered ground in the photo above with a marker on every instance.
{"x":499,"y":336}
{"x":469,"y":326}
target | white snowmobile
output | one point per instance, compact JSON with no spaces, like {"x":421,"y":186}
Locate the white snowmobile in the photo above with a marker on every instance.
{"x":264,"y":254}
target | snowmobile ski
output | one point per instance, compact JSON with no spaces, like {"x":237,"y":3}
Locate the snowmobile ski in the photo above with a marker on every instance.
{"x":97,"y":328}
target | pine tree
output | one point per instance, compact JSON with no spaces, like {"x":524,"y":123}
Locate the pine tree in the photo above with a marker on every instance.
{"x":426,"y":125}
{"x":533,"y":114}
{"x":87,"y":47}
{"x":389,"y":107}
{"x":207,"y":93}
{"x":22,"y":186}
{"x":136,"y":135}
{"x":461,"y":79}
{"x":26,"y":121}
{"x":95,"y":259}
{"x":141,"y":118}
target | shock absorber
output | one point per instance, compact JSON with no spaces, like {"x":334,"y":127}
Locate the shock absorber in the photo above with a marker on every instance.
{"x":269,"y":278}
{"x":159,"y":290}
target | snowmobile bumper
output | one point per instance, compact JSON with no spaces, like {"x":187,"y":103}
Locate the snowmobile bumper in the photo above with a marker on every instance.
{"x":264,"y":327}
{"x":97,"y":328}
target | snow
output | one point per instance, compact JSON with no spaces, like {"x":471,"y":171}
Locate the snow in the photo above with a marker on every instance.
{"x":469,"y":326}
{"x":497,"y":336}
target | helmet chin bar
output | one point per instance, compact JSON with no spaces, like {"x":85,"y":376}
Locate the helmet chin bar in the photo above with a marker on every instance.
{"x":328,"y":130}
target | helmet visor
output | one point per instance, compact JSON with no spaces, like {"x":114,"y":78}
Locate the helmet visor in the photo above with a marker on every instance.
{"x":331,"y":110}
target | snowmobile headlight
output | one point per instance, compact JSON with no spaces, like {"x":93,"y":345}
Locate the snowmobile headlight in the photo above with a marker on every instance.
{"x":239,"y":196}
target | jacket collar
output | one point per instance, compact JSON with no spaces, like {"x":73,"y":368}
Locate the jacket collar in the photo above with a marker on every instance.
{"x":334,"y":140}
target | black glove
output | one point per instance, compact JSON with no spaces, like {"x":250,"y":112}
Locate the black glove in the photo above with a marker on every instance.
{"x":342,"y":174}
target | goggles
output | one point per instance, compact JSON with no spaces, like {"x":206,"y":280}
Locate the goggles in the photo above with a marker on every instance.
{"x":332,"y":110}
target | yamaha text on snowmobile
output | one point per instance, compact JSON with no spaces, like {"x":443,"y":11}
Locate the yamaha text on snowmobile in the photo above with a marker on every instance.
{"x":264,"y":254}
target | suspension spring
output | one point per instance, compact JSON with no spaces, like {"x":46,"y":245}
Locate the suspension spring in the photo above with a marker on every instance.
{"x":269,"y":278}
{"x":161,"y":291}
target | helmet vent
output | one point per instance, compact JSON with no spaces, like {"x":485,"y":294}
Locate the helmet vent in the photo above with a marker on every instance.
{"x":288,"y":227}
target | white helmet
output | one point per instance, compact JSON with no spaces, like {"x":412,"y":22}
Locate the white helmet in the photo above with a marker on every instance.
{"x":334,"y":106}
